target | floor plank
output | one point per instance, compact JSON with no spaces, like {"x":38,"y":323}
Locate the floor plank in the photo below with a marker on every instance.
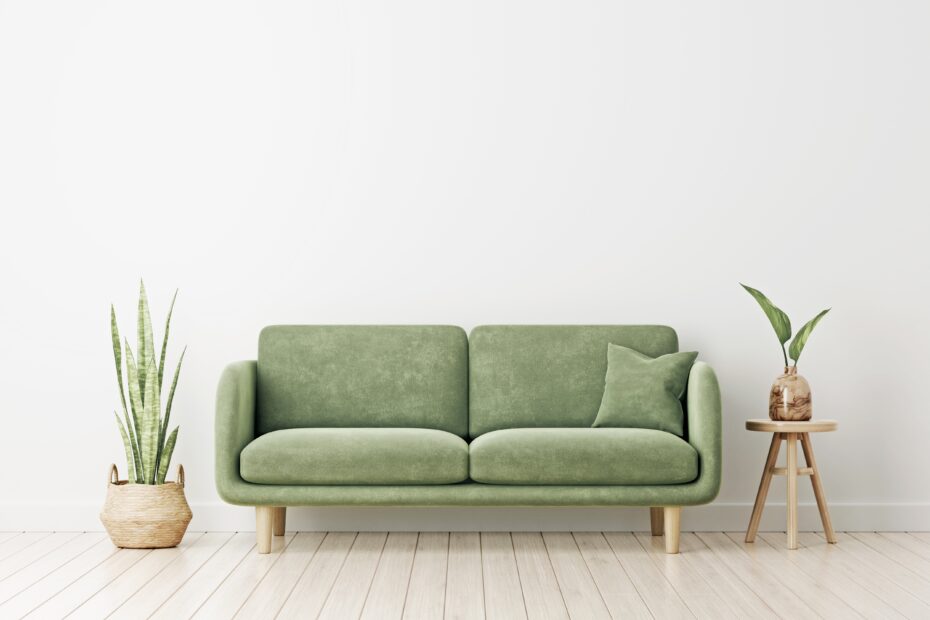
{"x":6,"y":537}
{"x":465,"y":582}
{"x":467,"y":575}
{"x":347,"y":597}
{"x":164,"y":583}
{"x":839,"y":558}
{"x":904,"y":556}
{"x":617,"y":591}
{"x":580,"y":593}
{"x":690,"y":585}
{"x":32,"y":552}
{"x":230,"y":595}
{"x":426,"y":592}
{"x":541,"y":592}
{"x":700,"y":559}
{"x":87,"y":585}
{"x":503,"y":597}
{"x":139,"y":591}
{"x":757,"y":576}
{"x":909,"y":542}
{"x":47,"y":564}
{"x":882,"y":564}
{"x":45,"y":588}
{"x":824,"y":602}
{"x":653,"y":587}
{"x":835,"y":581}
{"x":310,"y":592}
{"x":188,"y":598}
{"x":18,"y":543}
{"x":389,"y":587}
{"x":272,"y":591}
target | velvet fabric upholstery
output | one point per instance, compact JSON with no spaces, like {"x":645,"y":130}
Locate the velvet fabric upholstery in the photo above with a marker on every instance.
{"x":643,"y":391}
{"x":355,"y":456}
{"x":362,"y":376}
{"x":472,"y":494}
{"x":582,"y":456}
{"x":546,"y":376}
{"x":235,"y":428}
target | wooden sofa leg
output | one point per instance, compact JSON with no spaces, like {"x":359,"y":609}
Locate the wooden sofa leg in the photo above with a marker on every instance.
{"x":656,"y":521}
{"x":264,"y":515}
{"x":672,"y":518}
{"x":280,"y":516}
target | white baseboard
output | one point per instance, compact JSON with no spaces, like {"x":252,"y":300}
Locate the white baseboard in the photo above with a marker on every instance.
{"x":718,"y":516}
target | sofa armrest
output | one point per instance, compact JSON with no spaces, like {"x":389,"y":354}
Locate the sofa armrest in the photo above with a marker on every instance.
{"x":705,"y":428}
{"x":234,"y":426}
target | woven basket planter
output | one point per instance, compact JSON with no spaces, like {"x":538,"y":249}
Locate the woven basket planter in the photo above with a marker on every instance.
{"x":145,"y":516}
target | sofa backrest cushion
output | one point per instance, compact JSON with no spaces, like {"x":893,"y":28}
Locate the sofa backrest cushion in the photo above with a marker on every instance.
{"x":362,"y":376}
{"x":537,"y":376}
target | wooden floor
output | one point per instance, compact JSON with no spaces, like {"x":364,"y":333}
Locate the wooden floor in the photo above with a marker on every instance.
{"x":466,"y":575}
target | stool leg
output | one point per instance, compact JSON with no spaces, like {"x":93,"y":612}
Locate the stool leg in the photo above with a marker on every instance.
{"x":818,"y":488}
{"x":763,"y":488}
{"x":792,"y":490}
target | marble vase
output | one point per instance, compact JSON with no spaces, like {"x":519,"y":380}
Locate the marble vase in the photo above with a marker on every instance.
{"x":790,"y":398}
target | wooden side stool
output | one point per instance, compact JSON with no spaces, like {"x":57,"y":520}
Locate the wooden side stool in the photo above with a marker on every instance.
{"x":790,"y":432}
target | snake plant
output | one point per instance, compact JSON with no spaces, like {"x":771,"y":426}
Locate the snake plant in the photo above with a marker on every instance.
{"x":782,"y":325}
{"x":143,"y":427}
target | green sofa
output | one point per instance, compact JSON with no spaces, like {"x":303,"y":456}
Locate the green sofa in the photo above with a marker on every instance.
{"x":427,"y":416}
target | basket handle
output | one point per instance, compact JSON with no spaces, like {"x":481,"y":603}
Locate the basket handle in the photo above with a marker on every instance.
{"x":180,"y":477}
{"x":114,"y":474}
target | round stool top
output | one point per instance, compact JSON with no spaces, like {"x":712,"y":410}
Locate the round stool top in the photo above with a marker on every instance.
{"x":790,"y":426}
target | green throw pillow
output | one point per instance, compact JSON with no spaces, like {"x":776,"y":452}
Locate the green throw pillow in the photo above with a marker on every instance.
{"x":644,"y":392}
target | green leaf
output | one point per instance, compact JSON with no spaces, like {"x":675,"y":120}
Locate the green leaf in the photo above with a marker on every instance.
{"x":166,"y":456}
{"x":118,"y":358}
{"x":164,"y":340}
{"x":130,"y":460}
{"x":135,"y":395}
{"x":777,"y":318}
{"x":117,"y":354}
{"x":164,"y":424}
{"x":797,"y":345}
{"x":136,"y":454}
{"x":144,"y":336}
{"x":150,"y":423}
{"x":134,"y":443}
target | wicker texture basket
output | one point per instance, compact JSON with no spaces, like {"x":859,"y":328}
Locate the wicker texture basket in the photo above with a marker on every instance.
{"x":145,"y":516}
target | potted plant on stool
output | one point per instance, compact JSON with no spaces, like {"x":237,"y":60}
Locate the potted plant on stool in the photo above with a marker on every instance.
{"x":145,"y":511}
{"x":790,"y":396}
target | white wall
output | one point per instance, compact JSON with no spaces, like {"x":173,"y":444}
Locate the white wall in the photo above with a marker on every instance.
{"x":466,"y":163}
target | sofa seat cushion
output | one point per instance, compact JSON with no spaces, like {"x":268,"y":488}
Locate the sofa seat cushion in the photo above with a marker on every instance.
{"x":355,"y":456}
{"x":582,"y":456}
